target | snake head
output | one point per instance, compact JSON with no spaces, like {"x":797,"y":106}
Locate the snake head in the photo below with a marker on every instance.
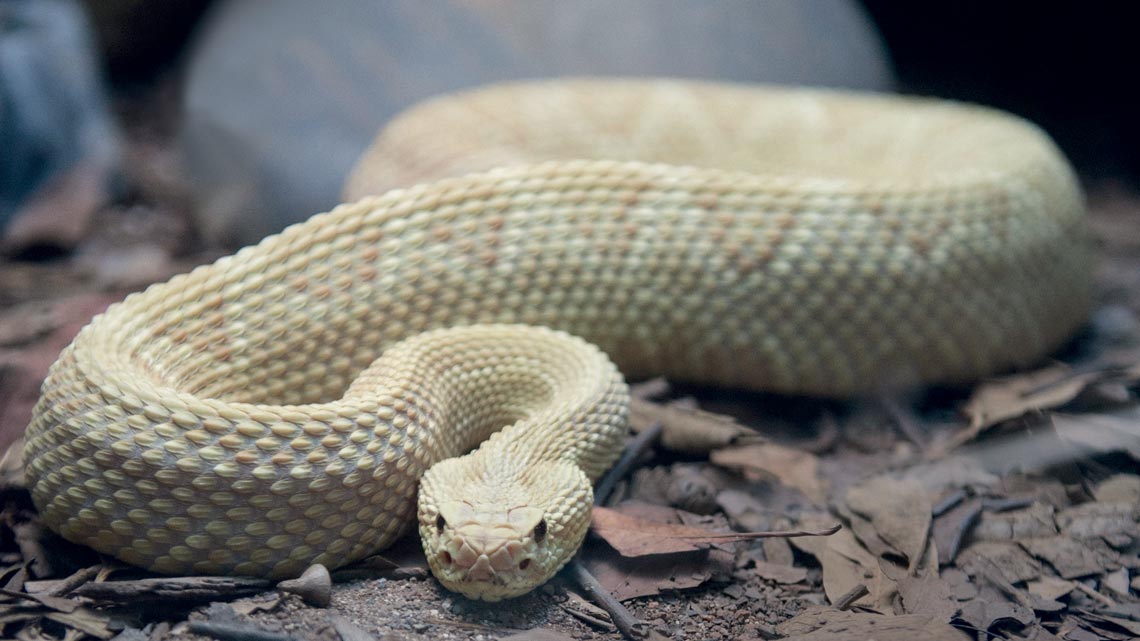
{"x":501,"y":534}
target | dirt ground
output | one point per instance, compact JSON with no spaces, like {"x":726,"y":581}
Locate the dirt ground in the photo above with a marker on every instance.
{"x":1007,"y":510}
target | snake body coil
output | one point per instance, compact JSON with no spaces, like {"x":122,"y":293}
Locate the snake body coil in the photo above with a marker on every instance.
{"x":795,"y":241}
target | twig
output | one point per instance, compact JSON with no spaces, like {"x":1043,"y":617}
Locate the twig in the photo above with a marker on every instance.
{"x":638,"y":446}
{"x":227,"y":632}
{"x":906,"y":421}
{"x":854,"y":594}
{"x":75,"y":580}
{"x":629,"y":625}
{"x":200,"y":588}
{"x":1094,"y":594}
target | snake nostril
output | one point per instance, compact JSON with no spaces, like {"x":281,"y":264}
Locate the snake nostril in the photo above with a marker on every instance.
{"x":524,"y":564}
{"x":445,"y":557}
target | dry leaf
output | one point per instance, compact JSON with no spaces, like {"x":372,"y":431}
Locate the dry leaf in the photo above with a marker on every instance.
{"x":538,"y":634}
{"x":1013,"y":396}
{"x":1071,"y":558}
{"x":827,"y":624}
{"x":983,"y":614}
{"x":1121,"y":488}
{"x":629,"y":578}
{"x":792,"y":467}
{"x":780,"y":573}
{"x":949,"y":530}
{"x":634,"y":536}
{"x":928,"y":595}
{"x":1035,"y":520}
{"x":1101,"y":518}
{"x":687,"y":429}
{"x":1117,"y":582}
{"x":1011,"y":562}
{"x":846,"y":564}
{"x":1050,"y":587}
{"x":1117,"y":431}
{"x":899,"y":512}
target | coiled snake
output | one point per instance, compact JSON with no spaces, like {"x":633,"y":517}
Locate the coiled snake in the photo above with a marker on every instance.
{"x":809,"y":242}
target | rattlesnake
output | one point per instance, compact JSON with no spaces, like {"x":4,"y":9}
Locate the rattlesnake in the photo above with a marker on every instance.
{"x":798,"y":241}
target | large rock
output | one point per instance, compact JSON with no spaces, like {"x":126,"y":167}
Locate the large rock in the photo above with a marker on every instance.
{"x":284,"y":96}
{"x":57,"y":141}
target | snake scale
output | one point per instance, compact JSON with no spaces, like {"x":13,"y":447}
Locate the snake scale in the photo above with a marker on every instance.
{"x":286,"y":404}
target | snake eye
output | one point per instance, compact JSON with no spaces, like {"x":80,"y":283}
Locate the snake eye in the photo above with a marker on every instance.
{"x":540,"y":531}
{"x":440,"y":523}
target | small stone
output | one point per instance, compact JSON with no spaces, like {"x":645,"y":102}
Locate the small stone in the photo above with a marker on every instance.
{"x":314,"y":586}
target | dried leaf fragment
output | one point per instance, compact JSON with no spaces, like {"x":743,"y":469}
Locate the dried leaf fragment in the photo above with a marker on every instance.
{"x":898,"y":510}
{"x":792,"y":467}
{"x":827,"y":624}
{"x":633,"y":536}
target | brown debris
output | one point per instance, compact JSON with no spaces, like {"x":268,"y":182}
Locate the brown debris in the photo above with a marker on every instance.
{"x":826,"y":624}
{"x":896,"y":514}
{"x":633,"y":536}
{"x":792,"y":467}
{"x":688,"y":429}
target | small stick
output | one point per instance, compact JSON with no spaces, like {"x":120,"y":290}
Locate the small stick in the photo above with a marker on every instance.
{"x":1094,"y":594}
{"x":854,"y":594}
{"x":629,"y":625}
{"x":638,"y":446}
{"x":227,"y":632}
{"x":199,"y":588}
{"x":74,"y":581}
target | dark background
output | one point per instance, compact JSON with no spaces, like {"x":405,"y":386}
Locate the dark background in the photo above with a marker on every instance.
{"x":1069,"y":66}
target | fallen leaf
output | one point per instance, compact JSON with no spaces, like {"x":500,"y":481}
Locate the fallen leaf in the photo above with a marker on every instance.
{"x":1071,"y":558}
{"x":1014,"y":525}
{"x":780,"y":573}
{"x":1102,"y":620}
{"x":984,"y":614}
{"x":1050,"y":587}
{"x":538,"y":634}
{"x":792,"y":467}
{"x":1009,"y":560}
{"x":1013,"y":396}
{"x":629,"y":578}
{"x":1121,"y":488}
{"x":1097,"y":519}
{"x":687,"y":429}
{"x":928,"y":595}
{"x":846,"y":565}
{"x":817,"y":623}
{"x":1117,"y":431}
{"x":633,"y":536}
{"x":899,"y":512}
{"x":949,"y":530}
{"x":1117,"y":582}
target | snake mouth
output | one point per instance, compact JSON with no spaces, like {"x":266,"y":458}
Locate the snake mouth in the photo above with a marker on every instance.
{"x":483,"y":566}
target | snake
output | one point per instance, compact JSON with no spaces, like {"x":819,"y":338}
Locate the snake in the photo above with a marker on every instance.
{"x":450,"y":347}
